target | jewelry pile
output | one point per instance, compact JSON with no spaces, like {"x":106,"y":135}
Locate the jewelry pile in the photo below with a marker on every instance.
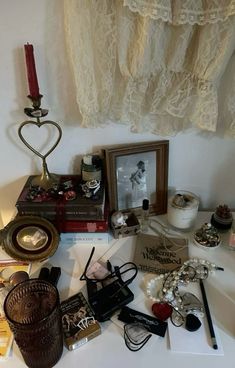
{"x":207,"y":237}
{"x":164,"y":289}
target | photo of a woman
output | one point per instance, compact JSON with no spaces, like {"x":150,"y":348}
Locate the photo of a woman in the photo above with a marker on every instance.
{"x":134,"y":182}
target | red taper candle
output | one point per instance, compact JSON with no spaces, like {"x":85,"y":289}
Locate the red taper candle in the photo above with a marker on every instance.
{"x":31,"y":72}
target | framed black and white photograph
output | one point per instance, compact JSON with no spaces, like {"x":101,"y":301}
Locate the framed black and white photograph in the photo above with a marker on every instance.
{"x":135,"y":172}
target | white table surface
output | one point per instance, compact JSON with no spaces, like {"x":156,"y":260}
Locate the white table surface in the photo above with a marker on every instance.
{"x":108,"y":349}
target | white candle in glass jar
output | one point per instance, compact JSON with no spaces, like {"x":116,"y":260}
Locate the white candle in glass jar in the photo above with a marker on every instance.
{"x":182,"y":209}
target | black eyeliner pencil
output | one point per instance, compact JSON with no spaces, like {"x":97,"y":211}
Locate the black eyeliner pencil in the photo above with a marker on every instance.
{"x":208,"y":316}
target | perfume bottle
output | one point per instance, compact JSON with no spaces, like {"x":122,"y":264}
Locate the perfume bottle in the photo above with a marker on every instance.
{"x":145,"y":215}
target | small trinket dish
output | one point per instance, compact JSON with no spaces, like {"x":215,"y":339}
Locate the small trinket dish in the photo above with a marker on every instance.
{"x":207,"y":237}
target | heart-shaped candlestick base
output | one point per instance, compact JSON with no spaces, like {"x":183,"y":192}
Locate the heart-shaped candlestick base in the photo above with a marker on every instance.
{"x":46,"y":180}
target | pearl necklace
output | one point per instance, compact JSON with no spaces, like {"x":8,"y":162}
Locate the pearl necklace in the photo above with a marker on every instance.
{"x":167,"y":291}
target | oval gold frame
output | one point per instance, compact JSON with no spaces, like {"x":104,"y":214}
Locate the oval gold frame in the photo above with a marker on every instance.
{"x":13,"y":248}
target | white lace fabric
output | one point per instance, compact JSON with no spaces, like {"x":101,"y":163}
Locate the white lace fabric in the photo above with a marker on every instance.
{"x":141,"y":62}
{"x":184,"y":12}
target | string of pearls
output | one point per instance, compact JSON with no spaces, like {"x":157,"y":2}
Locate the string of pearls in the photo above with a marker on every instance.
{"x":164,"y":288}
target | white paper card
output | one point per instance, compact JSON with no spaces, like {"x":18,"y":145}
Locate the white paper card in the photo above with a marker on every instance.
{"x":197,"y":342}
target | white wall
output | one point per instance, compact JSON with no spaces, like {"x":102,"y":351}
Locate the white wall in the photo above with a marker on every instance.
{"x":201,"y":163}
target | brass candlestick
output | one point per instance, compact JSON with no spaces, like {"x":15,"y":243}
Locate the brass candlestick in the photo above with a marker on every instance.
{"x":46,"y":180}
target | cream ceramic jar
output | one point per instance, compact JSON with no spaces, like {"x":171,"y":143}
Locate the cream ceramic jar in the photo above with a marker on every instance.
{"x":182,"y":209}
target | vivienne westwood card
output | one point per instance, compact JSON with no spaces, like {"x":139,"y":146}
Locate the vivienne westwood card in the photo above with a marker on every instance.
{"x":160,"y":254}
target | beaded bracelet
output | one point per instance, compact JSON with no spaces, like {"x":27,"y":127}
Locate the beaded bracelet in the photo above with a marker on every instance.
{"x":164,"y":288}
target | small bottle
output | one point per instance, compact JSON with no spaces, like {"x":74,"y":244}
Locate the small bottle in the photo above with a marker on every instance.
{"x":145,"y":216}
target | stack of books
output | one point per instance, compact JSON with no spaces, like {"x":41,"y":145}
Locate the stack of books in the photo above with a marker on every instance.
{"x":66,"y":206}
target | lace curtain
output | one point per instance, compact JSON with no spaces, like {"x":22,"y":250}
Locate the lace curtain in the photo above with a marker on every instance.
{"x":154,"y":64}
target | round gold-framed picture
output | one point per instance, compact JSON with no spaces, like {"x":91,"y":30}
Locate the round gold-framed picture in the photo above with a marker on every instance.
{"x":29,"y":238}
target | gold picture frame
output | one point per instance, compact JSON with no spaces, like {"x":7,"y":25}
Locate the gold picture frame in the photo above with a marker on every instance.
{"x":137,"y":171}
{"x":29,"y":238}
